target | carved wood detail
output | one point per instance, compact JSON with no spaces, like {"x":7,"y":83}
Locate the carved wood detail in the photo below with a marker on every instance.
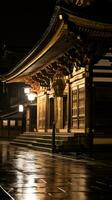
{"x":35,"y":86}
{"x":83,"y":3}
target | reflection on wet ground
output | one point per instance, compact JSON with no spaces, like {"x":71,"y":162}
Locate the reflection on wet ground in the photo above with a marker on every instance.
{"x":32,"y":175}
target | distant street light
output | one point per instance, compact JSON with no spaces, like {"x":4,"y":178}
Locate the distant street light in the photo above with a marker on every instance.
{"x":21,"y":108}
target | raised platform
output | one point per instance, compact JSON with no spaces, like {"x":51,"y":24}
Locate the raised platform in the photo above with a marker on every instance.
{"x":61,"y":142}
{"x":45,"y":141}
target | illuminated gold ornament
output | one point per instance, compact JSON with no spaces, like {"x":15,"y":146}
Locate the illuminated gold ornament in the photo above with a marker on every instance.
{"x":58,"y":84}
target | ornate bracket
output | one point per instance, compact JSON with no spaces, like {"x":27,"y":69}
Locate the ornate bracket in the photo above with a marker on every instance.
{"x":33,"y":83}
{"x":83,"y":3}
{"x":42,"y":78}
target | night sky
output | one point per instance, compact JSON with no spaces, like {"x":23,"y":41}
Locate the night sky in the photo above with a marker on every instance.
{"x":22,"y":25}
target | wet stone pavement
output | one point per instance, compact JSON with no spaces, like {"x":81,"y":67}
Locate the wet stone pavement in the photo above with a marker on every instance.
{"x":32,"y":175}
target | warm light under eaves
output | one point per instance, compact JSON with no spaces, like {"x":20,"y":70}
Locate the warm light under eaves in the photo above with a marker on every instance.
{"x":27,"y":90}
{"x":31,"y":96}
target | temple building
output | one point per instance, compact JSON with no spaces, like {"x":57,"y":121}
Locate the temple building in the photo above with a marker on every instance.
{"x":69,"y":75}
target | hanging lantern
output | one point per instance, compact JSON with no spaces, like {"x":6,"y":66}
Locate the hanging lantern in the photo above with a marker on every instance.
{"x":58,"y":84}
{"x":31,"y":96}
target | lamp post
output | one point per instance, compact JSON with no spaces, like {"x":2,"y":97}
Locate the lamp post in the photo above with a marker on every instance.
{"x":30,"y":111}
{"x":30,"y":95}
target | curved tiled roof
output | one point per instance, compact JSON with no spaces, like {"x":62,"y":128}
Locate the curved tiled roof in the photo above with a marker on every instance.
{"x":55,"y":39}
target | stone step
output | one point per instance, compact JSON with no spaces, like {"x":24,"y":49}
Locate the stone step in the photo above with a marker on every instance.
{"x":30,"y":142}
{"x":39,"y":148}
{"x":36,"y":140}
{"x":48,"y":136}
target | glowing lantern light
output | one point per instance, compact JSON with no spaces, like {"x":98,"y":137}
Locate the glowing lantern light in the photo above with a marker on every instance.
{"x":31,"y":96}
{"x":21,"y":108}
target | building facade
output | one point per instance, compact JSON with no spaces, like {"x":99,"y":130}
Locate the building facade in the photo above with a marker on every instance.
{"x":70,"y":71}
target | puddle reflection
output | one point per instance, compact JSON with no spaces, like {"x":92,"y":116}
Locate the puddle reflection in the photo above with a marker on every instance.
{"x":31,"y":175}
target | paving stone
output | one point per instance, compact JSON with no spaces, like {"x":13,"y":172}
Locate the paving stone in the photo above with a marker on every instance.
{"x":33,"y":175}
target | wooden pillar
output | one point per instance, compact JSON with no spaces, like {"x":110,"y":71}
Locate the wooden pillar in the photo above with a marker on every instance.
{"x":58,"y":113}
{"x":89,"y":105}
{"x":55,"y":112}
{"x":68,"y":107}
{"x":28,"y":118}
{"x":37,"y":114}
{"x":61,"y":112}
{"x":46,"y":112}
